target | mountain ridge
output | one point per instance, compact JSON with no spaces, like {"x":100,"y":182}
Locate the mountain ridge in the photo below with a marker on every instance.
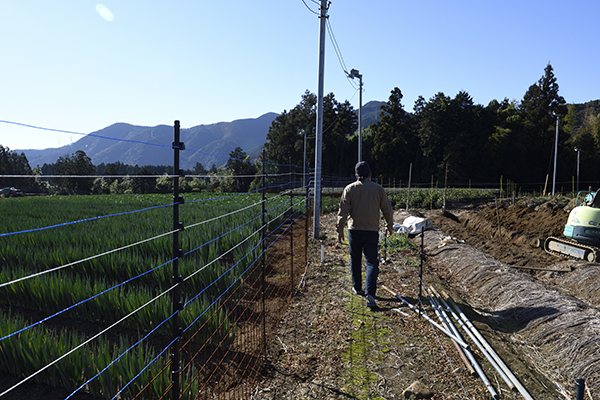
{"x":207,"y":144}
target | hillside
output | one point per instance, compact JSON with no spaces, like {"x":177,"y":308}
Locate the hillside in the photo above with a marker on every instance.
{"x":370,"y":113}
{"x":207,"y":144}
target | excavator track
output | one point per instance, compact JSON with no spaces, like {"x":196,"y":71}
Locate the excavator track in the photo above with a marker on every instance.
{"x":571,"y":249}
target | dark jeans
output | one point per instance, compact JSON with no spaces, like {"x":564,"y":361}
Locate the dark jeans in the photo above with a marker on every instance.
{"x":358,"y":242}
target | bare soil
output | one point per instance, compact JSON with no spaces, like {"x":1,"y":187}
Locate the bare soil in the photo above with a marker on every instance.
{"x":330,"y":346}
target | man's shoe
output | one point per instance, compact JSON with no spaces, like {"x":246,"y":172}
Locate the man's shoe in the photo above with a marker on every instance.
{"x":358,"y":292}
{"x":371,"y":301}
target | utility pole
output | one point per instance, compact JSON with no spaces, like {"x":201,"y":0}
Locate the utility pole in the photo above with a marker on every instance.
{"x":319,"y":138}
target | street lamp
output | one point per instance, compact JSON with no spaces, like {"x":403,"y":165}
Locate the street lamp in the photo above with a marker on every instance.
{"x":355,"y":74}
{"x":555,"y":151}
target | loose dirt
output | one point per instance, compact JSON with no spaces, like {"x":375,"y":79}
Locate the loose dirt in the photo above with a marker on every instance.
{"x":330,"y":346}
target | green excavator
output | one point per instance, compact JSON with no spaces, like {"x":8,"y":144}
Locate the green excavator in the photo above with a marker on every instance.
{"x":582,"y":230}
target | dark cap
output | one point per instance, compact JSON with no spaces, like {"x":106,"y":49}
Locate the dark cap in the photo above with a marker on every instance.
{"x":362,"y":170}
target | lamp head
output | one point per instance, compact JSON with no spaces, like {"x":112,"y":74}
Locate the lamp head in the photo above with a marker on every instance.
{"x":354,"y":73}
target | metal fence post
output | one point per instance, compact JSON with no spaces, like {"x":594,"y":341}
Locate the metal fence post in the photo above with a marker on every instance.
{"x":307,"y":222}
{"x":291,"y":232}
{"x":176,"y":279}
{"x":264,"y":249}
{"x":421,"y":256}
{"x":292,"y":244}
{"x":409,"y":183}
{"x":580,"y":388}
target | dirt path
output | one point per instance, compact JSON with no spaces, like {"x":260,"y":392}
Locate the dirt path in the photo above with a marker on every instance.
{"x":331,"y":346}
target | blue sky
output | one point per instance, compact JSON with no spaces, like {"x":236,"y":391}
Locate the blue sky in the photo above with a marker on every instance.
{"x":79,"y":65}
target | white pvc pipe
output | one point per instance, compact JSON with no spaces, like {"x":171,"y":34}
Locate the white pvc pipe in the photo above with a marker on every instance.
{"x":489,"y":348}
{"x":443,"y":316}
{"x":481,"y":347}
{"x":441,"y":328}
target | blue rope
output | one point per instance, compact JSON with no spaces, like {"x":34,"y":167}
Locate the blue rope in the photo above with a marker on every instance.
{"x":84,"y":220}
{"x":125,"y":352}
{"x":140,"y":142}
{"x":86,"y":134}
{"x":237,"y":279}
{"x":145,"y":368}
{"x":85,"y":301}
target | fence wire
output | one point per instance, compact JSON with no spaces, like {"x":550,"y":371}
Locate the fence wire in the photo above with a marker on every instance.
{"x":237,"y":279}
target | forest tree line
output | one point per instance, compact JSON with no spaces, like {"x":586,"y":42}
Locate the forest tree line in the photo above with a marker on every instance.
{"x":76,"y":174}
{"x":509,"y":139}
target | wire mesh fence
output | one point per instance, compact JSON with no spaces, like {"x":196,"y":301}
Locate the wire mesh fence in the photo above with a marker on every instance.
{"x":99,"y":299}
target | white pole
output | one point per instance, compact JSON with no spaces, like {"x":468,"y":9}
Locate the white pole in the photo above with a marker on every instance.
{"x":304,"y":162}
{"x":354,"y":73}
{"x":360,"y":118}
{"x":555,"y":154}
{"x":319,"y":137}
{"x":578,"y":153}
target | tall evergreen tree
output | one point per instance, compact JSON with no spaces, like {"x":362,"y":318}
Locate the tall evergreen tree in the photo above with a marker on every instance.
{"x":76,"y":164}
{"x":587,"y":139}
{"x":464,"y":153}
{"x":285,"y":138}
{"x":144,"y":185}
{"x":243,"y":170}
{"x":394,"y":141}
{"x":452,"y":133}
{"x":506,"y":156}
{"x":433,"y":123}
{"x":339,"y":123}
{"x":538,"y":110}
{"x":12,"y":163}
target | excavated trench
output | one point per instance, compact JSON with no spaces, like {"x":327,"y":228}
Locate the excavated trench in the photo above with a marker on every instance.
{"x":550,"y":305}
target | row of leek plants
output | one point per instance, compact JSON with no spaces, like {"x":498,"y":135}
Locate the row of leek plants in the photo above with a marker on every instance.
{"x":57,"y":291}
{"x":60,"y":245}
{"x":38,"y":251}
{"x":32,"y":350}
{"x":433,"y":198}
{"x":53,"y":294}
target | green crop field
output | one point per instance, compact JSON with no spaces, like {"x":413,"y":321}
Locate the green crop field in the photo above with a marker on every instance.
{"x":118,"y":270}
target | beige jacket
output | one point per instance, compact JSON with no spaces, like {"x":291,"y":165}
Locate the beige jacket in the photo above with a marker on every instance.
{"x":360,"y":205}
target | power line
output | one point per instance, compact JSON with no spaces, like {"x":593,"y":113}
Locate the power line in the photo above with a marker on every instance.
{"x":85,"y":134}
{"x":338,"y":53}
{"x":130,"y":141}
{"x":310,"y":9}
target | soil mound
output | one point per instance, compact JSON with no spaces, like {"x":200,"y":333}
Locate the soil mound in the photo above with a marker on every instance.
{"x":506,"y":232}
{"x":554,"y":314}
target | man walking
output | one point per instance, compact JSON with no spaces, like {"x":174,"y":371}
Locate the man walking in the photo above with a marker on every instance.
{"x":360,"y":205}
